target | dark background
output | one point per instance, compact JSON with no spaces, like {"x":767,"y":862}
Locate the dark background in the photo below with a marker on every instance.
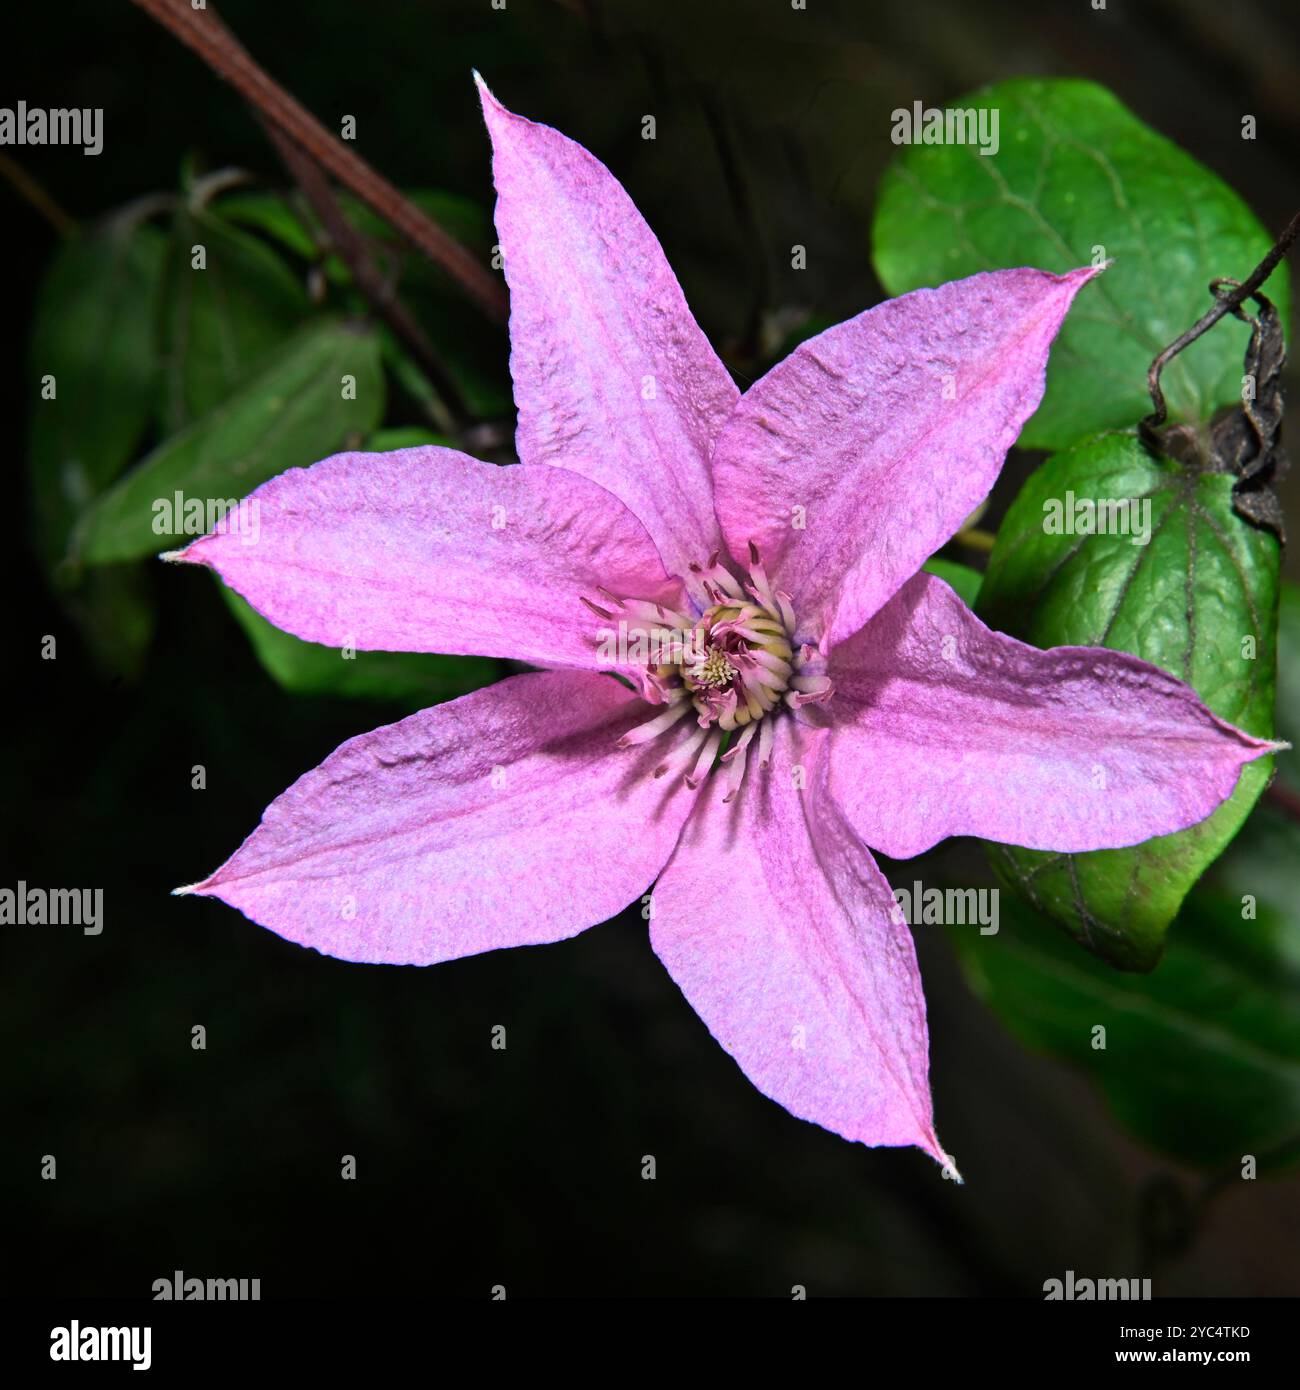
{"x":522,"y":1168}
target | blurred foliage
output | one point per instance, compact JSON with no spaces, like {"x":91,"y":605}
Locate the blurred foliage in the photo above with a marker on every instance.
{"x":1201,"y":1058}
{"x":93,"y":365}
{"x":238,"y":336}
{"x":1288,"y":682}
{"x":223,"y":316}
{"x":475,"y":363}
{"x":314,"y":395}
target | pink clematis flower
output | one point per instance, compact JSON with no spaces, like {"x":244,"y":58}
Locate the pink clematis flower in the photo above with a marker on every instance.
{"x":748,"y":564}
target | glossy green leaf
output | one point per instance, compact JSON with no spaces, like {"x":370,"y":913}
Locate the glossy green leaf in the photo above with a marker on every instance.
{"x":1201,"y":1058}
{"x":223,"y":316}
{"x":415,"y":679}
{"x":1199,"y":599}
{"x":323,"y":392}
{"x":962,"y":578}
{"x":93,"y":335}
{"x":1077,"y":179}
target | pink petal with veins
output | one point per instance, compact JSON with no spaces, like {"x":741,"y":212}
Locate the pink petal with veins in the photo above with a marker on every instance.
{"x":429,"y":550}
{"x":613,"y":377}
{"x":504,"y":818}
{"x":785,"y":938}
{"x":943,"y":727}
{"x":858,"y":456}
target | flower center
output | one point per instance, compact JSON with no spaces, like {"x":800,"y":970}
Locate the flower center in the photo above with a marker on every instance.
{"x":735,"y":666}
{"x":737,"y":663}
{"x":715,"y":671}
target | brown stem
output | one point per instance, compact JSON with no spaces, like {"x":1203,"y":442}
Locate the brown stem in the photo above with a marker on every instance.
{"x":31,"y":191}
{"x":207,"y":35}
{"x":1224,"y":304}
{"x":370,"y":280}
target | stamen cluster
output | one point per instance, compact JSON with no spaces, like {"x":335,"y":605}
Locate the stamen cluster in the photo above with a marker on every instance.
{"x":734,"y":666}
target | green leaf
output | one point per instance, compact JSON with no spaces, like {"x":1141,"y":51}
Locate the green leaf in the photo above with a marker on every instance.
{"x":1077,"y":178}
{"x":962,"y":578}
{"x":1199,"y":600}
{"x":1201,"y":1057}
{"x":276,"y":216}
{"x":408,"y":437}
{"x":473,"y":353}
{"x":409,"y":678}
{"x":93,"y":333}
{"x":289,"y":416}
{"x":222,"y":318}
{"x":290,"y":222}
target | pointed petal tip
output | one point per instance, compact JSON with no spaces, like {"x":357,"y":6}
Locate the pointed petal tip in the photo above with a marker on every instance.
{"x":1256,"y":746}
{"x":1072,"y":281}
{"x":187,"y":889}
{"x":928,"y":1142}
{"x":486,"y":96}
{"x":943,"y":1158}
{"x":1080,"y":277}
{"x":191,"y":554}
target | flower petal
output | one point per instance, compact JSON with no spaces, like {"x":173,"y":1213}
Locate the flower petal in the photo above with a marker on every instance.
{"x":858,"y":456}
{"x":613,"y":377}
{"x":429,"y":550}
{"x":505,"y":818}
{"x":943,"y":727}
{"x":783,"y":935}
